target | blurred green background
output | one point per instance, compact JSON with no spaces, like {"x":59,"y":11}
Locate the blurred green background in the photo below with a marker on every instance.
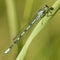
{"x":14,"y":16}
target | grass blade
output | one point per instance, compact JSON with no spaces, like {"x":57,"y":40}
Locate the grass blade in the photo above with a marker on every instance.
{"x":12,"y":18}
{"x":28,"y":9}
{"x":37,"y":29}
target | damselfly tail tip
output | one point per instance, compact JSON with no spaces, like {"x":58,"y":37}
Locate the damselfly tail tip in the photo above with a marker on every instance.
{"x":7,"y":51}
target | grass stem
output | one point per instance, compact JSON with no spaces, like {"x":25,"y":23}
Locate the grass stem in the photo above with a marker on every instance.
{"x":36,"y":30}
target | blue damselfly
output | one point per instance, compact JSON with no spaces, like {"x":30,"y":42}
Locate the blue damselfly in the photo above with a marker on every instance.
{"x":41,"y":13}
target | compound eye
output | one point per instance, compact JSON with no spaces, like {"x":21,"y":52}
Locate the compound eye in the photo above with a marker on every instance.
{"x":46,"y":6}
{"x":51,"y":8}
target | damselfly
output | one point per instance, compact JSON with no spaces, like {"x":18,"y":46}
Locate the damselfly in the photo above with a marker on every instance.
{"x":41,"y":13}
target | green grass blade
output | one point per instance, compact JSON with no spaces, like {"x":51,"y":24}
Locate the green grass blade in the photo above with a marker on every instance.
{"x":12,"y":18}
{"x":36,"y":30}
{"x":28,"y":9}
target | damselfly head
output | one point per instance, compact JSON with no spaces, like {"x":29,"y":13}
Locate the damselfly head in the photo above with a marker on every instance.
{"x":46,"y":7}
